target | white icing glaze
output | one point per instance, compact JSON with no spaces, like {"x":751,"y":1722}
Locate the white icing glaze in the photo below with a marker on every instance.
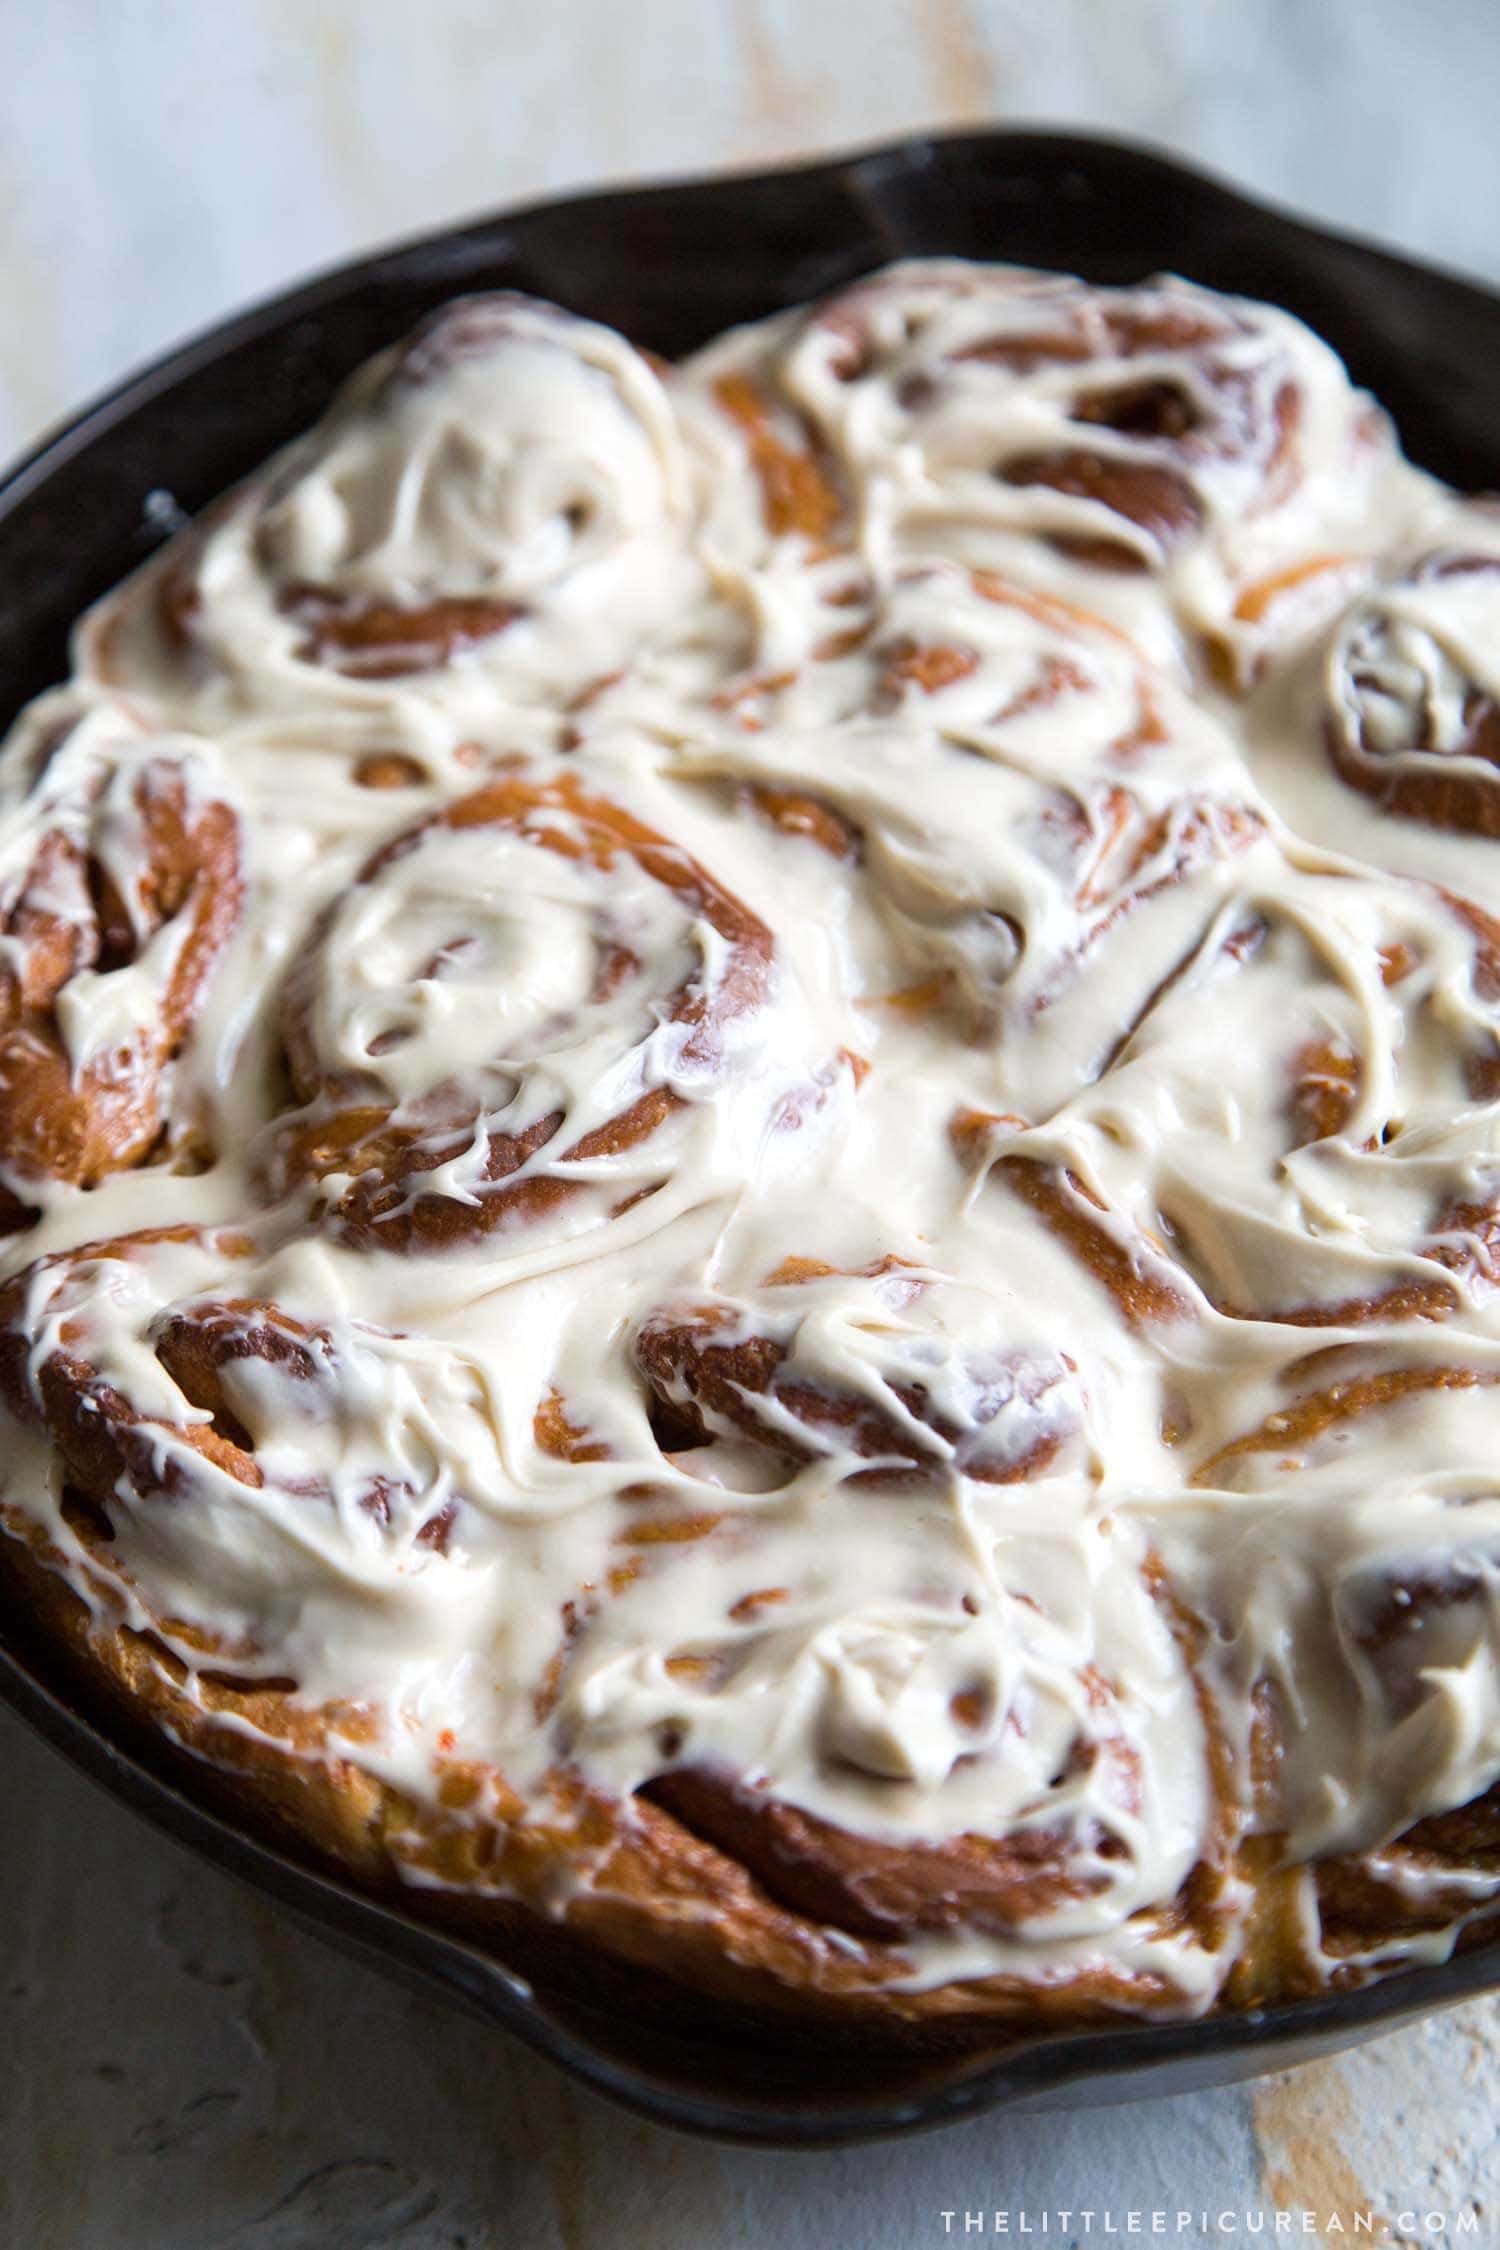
{"x":1027,"y":872}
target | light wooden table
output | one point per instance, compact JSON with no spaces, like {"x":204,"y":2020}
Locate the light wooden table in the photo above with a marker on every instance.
{"x":178,"y":2068}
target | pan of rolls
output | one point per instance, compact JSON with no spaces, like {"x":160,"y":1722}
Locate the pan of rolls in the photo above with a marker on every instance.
{"x":750,"y":1126}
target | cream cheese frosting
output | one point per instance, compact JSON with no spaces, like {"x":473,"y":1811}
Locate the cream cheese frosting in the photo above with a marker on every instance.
{"x":831,"y":1163}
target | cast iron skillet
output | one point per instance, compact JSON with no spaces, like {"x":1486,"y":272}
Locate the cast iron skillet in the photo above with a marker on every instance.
{"x":671,"y":266}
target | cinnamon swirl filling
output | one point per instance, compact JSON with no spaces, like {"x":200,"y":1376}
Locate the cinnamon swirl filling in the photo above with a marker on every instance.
{"x":1159,"y":431}
{"x":531,"y":965}
{"x":472,"y":496}
{"x":1413,"y":719}
{"x":875,"y":1377}
{"x":120,"y":885}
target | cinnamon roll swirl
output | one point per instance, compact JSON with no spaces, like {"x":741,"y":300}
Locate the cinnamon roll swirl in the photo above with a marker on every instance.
{"x":1286,"y":1127}
{"x":120,"y":884}
{"x":1164,"y":430}
{"x":1389,"y":1656}
{"x":1010,"y":777}
{"x":1412,"y":719}
{"x":218,"y":1387}
{"x":530,"y":964}
{"x":881,"y":1376}
{"x":471,"y":499}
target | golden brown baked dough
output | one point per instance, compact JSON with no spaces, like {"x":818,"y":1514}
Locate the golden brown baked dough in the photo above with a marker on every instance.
{"x":117,"y":856}
{"x":1409,"y":725}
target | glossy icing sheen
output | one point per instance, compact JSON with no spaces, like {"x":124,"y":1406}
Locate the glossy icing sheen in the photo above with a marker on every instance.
{"x":872,"y":1142}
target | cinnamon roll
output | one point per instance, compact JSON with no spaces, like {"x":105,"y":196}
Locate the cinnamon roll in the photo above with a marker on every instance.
{"x":218,"y":1388}
{"x":120,"y":885}
{"x":215,"y":1404}
{"x":470,"y":500}
{"x":1285,"y":1130}
{"x":877,"y":1376}
{"x":1164,"y":430}
{"x":1009,"y":775}
{"x":750,"y":1225}
{"x":1412,"y":718}
{"x":530,"y":965}
{"x":1359,"y":1655}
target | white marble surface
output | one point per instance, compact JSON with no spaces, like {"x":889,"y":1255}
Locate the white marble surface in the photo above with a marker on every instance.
{"x":166,"y":160}
{"x":177,"y":2068}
